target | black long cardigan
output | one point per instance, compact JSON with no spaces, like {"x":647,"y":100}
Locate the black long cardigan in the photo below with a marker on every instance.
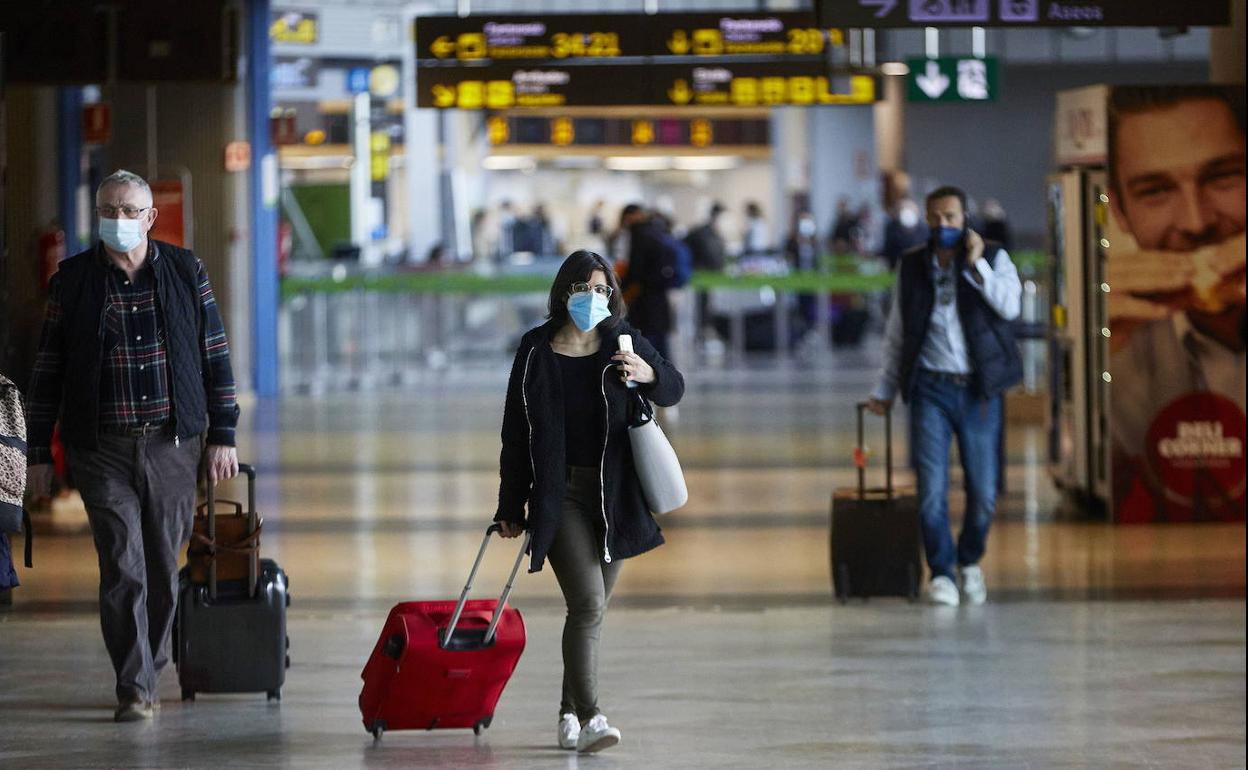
{"x":532,"y":465}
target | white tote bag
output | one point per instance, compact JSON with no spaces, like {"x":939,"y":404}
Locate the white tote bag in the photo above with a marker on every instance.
{"x":658,"y":468}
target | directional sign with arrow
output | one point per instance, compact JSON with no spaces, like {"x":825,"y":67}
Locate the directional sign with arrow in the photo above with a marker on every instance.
{"x":678,"y":43}
{"x":932,"y":82}
{"x":680,"y":92}
{"x":882,"y":7}
{"x":951,"y":79}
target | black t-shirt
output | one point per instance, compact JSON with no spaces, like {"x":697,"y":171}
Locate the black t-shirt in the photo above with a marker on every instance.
{"x":582,"y":409}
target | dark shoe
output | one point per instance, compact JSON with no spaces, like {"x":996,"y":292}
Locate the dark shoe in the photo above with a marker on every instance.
{"x":6,"y":597}
{"x":135,"y":711}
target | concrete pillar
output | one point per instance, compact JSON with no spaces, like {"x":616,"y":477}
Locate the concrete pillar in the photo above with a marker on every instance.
{"x":1226,"y":48}
{"x":843,"y":160}
{"x":420,"y":155}
{"x":790,"y":161}
{"x":264,"y":190}
{"x":890,"y":125}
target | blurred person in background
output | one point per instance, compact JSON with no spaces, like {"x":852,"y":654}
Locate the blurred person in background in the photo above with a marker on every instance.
{"x":841,"y":241}
{"x":506,"y":230}
{"x":756,"y":238}
{"x":620,"y":242}
{"x":904,"y":230}
{"x":801,"y":250}
{"x":996,"y":224}
{"x":647,"y":278}
{"x":710,"y":255}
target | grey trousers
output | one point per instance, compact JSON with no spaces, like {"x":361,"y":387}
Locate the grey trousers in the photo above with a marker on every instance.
{"x":140,"y":499}
{"x":586,"y":582}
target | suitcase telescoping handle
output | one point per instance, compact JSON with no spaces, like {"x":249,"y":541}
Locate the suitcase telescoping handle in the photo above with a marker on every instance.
{"x":861,"y":454}
{"x":250,"y":472}
{"x":502,"y":601}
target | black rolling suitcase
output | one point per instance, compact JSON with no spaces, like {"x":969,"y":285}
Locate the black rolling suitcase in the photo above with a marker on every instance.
{"x":230,"y":635}
{"x":876,"y":541}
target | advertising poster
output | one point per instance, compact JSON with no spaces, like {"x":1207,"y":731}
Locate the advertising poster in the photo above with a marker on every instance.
{"x":1176,"y":285}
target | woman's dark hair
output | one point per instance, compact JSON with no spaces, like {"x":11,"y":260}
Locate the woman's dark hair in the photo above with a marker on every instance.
{"x":577,"y":268}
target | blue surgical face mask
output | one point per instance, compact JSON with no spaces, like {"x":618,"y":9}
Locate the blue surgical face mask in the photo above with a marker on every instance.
{"x":948,"y":237}
{"x":588,"y":309}
{"x":121,"y":234}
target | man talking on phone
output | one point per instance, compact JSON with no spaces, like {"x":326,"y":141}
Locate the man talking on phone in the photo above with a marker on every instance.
{"x":949,"y":351}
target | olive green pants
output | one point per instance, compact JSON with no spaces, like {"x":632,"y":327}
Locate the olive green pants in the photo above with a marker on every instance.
{"x":586,"y":582}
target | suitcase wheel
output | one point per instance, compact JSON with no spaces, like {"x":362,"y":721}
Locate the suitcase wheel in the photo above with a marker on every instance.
{"x":482,"y":724}
{"x":188,"y":694}
{"x":273,"y":695}
{"x":379,"y":729}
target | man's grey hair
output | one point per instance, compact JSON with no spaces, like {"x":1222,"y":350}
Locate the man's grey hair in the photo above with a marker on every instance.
{"x":123,"y":178}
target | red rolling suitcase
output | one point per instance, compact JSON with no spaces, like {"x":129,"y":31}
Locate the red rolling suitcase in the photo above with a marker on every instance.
{"x":421,"y":676}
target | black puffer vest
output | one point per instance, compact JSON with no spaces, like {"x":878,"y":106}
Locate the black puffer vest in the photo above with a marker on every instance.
{"x":996,"y":364}
{"x":81,"y":285}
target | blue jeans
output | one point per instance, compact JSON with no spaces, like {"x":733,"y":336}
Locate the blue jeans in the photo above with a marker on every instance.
{"x":940,"y":410}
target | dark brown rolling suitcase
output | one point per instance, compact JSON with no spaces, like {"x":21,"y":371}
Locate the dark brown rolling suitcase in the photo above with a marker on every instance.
{"x":876,"y":542}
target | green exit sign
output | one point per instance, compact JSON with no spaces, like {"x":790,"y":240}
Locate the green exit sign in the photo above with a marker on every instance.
{"x":953,"y":79}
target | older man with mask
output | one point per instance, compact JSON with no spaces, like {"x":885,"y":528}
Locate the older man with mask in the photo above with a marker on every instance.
{"x":134,"y":363}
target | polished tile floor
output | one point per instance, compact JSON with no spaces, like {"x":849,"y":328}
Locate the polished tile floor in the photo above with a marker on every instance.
{"x":1102,"y":646}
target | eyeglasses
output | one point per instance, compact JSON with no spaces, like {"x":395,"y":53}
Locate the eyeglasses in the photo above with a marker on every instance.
{"x":600,"y":289}
{"x":111,"y":212}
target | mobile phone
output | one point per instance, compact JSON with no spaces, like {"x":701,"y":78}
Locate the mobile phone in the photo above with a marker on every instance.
{"x":626,"y":346}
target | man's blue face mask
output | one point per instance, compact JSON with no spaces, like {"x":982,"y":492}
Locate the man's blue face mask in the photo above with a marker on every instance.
{"x":948,"y":237}
{"x":588,"y":309}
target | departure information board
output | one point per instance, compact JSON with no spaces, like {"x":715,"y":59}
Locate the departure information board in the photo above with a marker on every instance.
{"x":770,"y":84}
{"x":521,"y":131}
{"x":452,"y":39}
{"x":883,"y":14}
{"x":745,"y":84}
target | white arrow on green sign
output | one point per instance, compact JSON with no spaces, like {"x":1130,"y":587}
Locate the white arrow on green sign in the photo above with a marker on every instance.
{"x":953,"y":79}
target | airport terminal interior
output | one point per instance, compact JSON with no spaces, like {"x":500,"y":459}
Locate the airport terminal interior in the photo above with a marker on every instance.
{"x":382,"y":193}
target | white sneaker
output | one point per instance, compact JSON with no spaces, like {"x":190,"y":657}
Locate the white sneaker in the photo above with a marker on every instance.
{"x":597,"y":735}
{"x":569,"y":731}
{"x":973,"y":586}
{"x":943,"y":591}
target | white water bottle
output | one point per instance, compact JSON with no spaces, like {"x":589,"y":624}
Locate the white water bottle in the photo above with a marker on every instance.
{"x":626,"y":346}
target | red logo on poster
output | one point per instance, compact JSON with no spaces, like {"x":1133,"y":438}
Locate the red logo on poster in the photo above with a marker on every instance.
{"x":1196,"y":455}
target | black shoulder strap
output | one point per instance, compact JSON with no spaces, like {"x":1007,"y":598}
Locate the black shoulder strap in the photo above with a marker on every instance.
{"x":30,"y":537}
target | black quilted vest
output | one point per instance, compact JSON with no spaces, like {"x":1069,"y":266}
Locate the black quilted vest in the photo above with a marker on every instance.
{"x":82,"y":287}
{"x":996,"y":364}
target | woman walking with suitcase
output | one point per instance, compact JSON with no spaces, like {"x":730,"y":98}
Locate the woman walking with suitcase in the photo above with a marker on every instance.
{"x":566,"y":456}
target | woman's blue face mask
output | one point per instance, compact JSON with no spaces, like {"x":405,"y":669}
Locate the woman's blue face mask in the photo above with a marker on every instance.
{"x":588,"y":309}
